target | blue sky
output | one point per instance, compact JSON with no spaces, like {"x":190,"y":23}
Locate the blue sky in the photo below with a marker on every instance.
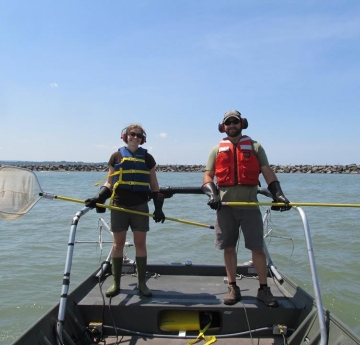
{"x":75,"y":73}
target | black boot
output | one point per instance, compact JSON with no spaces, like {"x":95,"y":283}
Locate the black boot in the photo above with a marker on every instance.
{"x":141,"y":273}
{"x":116,"y":270}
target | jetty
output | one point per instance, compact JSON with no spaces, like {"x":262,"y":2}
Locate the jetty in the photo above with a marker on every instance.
{"x":102,"y":167}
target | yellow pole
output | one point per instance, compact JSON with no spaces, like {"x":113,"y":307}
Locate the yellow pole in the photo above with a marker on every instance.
{"x":234,"y":203}
{"x":135,"y":212}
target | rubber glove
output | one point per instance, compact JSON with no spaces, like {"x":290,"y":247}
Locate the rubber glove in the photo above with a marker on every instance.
{"x":158,"y":199}
{"x":100,"y":198}
{"x":211,"y":191}
{"x":278,"y":196}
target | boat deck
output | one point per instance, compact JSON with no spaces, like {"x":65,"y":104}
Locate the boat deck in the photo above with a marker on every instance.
{"x":184,"y":302}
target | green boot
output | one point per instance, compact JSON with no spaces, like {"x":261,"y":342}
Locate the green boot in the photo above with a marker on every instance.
{"x":141,"y":273}
{"x":116,"y":270}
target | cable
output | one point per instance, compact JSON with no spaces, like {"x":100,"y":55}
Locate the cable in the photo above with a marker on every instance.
{"x":173,"y":336}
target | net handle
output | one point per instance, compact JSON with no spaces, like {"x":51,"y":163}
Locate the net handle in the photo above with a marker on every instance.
{"x":121,"y":209}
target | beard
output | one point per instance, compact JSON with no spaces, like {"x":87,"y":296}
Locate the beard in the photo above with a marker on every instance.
{"x":233,"y":132}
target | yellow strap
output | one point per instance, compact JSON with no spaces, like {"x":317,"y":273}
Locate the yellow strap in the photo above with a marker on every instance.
{"x":129,"y":171}
{"x":133,"y":183}
{"x":108,"y":175}
{"x":115,"y":185}
{"x":120,"y":181}
{"x":133,"y":159}
{"x":97,"y":183}
{"x":209,"y":339}
{"x":134,"y":171}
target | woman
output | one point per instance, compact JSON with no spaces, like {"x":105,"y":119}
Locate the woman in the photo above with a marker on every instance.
{"x":131,"y":179}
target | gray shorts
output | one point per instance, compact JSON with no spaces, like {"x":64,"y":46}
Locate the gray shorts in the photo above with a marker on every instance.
{"x":228,"y":222}
{"x":121,"y":221}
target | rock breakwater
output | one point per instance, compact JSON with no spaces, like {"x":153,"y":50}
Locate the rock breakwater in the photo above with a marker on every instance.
{"x":289,"y":169}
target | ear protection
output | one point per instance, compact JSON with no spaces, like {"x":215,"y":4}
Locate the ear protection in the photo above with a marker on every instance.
{"x":243,"y":122}
{"x":124,"y":136}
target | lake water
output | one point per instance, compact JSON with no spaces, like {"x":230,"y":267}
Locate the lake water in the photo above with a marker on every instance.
{"x":34,"y":247}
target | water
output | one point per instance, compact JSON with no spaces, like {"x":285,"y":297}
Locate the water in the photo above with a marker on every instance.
{"x":34,"y":247}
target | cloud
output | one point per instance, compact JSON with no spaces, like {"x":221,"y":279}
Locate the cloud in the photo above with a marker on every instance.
{"x":53,"y":85}
{"x":163,"y":135}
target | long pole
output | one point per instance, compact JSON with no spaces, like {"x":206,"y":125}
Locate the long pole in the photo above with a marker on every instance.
{"x":317,"y":204}
{"x":65,"y":198}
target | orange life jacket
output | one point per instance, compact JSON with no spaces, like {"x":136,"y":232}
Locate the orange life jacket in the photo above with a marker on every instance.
{"x":237,"y":164}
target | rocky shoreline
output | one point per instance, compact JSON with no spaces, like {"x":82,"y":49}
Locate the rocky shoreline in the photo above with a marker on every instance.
{"x":289,"y":169}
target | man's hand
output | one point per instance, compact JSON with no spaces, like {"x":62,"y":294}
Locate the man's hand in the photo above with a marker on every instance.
{"x":211,"y":191}
{"x":286,"y":207}
{"x":278,"y":196}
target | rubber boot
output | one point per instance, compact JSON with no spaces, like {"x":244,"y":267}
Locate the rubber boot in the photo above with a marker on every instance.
{"x":141,"y":273}
{"x":116,"y":269}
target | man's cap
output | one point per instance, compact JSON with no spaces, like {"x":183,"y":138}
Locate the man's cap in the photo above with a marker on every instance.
{"x":232,"y":113}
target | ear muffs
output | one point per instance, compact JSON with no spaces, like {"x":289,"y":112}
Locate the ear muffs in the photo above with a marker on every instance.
{"x":244,"y":125}
{"x":124,"y":136}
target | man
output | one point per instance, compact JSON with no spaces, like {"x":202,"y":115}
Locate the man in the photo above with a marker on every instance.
{"x":237,"y":162}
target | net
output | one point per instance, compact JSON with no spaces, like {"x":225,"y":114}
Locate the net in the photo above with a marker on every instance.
{"x":19,"y":191}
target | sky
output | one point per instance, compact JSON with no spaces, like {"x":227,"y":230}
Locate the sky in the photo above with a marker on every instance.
{"x":74,"y":74}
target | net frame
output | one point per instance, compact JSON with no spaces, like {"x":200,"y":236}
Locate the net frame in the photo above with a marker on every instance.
{"x":19,"y":191}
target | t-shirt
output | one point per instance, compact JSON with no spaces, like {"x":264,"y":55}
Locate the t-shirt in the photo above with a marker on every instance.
{"x":125,"y":197}
{"x":240,"y":193}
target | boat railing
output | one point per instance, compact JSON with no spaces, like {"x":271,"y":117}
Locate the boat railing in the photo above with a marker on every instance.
{"x":84,"y":210}
{"x":66,"y":277}
{"x":68,"y":264}
{"x":314,"y":275}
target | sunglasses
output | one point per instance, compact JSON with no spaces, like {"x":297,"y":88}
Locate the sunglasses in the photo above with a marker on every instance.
{"x":234,"y":121}
{"x":137,"y":135}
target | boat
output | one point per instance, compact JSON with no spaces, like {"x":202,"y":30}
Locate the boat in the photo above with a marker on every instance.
{"x":187,"y":303}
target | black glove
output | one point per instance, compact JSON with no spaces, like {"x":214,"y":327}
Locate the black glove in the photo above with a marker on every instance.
{"x":211,"y":191}
{"x":278,"y":196}
{"x":158,"y":199}
{"x":100,"y":198}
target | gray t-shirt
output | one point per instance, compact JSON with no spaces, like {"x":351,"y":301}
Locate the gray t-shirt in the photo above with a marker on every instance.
{"x":238,"y":192}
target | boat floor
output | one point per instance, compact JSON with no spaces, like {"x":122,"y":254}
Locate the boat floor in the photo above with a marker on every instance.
{"x":185,"y":291}
{"x":142,"y":320}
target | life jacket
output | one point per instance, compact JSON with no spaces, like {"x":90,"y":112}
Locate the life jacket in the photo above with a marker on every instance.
{"x":131,"y":173}
{"x":236,"y":164}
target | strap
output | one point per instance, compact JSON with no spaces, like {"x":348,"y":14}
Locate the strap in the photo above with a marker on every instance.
{"x":133,"y":183}
{"x":97,"y":183}
{"x":115,"y":185}
{"x":134,"y":171}
{"x":209,"y":339}
{"x":132,"y":159}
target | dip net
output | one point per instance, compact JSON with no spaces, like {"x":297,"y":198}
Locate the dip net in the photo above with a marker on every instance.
{"x":19,"y":191}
